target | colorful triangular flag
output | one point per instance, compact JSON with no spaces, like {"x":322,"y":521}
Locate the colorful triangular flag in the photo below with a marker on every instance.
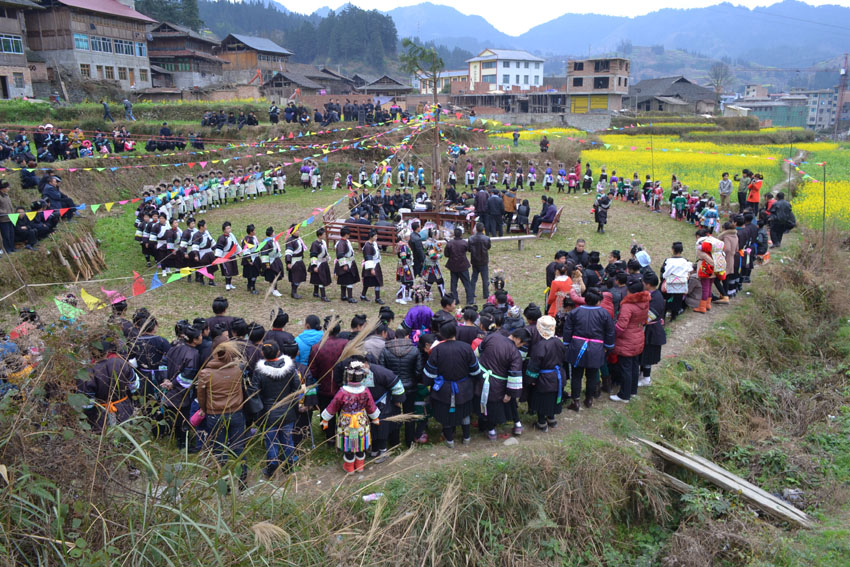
{"x":91,"y":301}
{"x":155,"y":283}
{"x":138,"y":284}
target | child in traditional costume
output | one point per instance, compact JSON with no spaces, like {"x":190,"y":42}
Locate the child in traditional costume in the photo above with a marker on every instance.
{"x":404,"y":271}
{"x":355,"y":408}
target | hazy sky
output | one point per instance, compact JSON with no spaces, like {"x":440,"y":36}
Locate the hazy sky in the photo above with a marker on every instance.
{"x":516,"y":18}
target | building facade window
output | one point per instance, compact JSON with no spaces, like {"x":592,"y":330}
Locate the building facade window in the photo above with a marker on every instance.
{"x":124,"y":47}
{"x":517,"y":77}
{"x":506,"y":79}
{"x":141,"y":49}
{"x":85,"y":70}
{"x":122,"y":73}
{"x":19,"y":80}
{"x":537,"y":65}
{"x":536,"y":79}
{"x":526,"y":64}
{"x":578,"y":66}
{"x":489,"y":79}
{"x":99,"y":70}
{"x":517,"y":66}
{"x":81,"y":41}
{"x":578,"y":82}
{"x":143,"y":75}
{"x":506,"y":64}
{"x":11,"y":43}
{"x":101,"y":44}
{"x":109,"y":73}
{"x":488,"y":65}
{"x":600,"y":82}
{"x":525,"y":80}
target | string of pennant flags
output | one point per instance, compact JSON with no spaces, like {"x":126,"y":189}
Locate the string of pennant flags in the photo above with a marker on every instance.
{"x":139,"y":287}
{"x":326,"y":150}
{"x":356,"y":142}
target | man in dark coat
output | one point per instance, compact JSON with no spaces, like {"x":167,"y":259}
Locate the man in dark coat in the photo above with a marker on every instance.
{"x":781,"y":220}
{"x":481,"y":202}
{"x":416,"y":249}
{"x":111,"y":382}
{"x":547,"y":215}
{"x":458,"y":264}
{"x":578,"y":255}
{"x":495,"y":213}
{"x":479,"y":255}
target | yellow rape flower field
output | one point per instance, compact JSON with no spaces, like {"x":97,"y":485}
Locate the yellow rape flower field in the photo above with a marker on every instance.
{"x":808,"y":206}
{"x":551,"y":133}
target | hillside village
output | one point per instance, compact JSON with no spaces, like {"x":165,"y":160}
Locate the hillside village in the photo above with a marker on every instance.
{"x":76,"y":50}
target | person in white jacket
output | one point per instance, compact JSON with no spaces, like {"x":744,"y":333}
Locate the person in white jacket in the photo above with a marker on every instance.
{"x":675,"y":272}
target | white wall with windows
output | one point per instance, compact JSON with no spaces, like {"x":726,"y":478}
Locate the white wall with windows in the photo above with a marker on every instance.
{"x":522,"y":74}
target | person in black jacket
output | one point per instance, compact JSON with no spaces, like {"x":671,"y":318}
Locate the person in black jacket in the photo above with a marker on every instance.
{"x":29,"y":178}
{"x":417,"y":249}
{"x":183,"y":362}
{"x":401,"y":357}
{"x":495,"y":213}
{"x":479,"y":255}
{"x":578,"y":255}
{"x":588,"y":333}
{"x":654,"y":334}
{"x":276,"y":380}
{"x":458,"y":264}
{"x":110,"y":384}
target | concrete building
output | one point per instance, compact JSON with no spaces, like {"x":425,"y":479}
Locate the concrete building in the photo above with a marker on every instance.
{"x":597,"y":85}
{"x":15,"y":77}
{"x":505,"y":70}
{"x":183,"y":57}
{"x":93,"y":39}
{"x":670,"y":94}
{"x":822,"y":107}
{"x":444,"y":81}
{"x":248,"y":54}
{"x":785,"y":111}
{"x":755,"y":91}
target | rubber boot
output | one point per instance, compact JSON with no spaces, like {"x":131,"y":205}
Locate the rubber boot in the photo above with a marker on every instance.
{"x":324,"y":297}
{"x":702,"y":307}
{"x":348,"y":466}
{"x":708,"y":304}
{"x":359,"y":464}
{"x":294,"y":293}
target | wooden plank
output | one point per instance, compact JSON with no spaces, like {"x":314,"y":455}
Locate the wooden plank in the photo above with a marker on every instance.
{"x":719,"y":476}
{"x":734,"y":478}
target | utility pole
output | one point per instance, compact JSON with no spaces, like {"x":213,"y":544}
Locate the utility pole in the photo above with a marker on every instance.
{"x":842,"y":89}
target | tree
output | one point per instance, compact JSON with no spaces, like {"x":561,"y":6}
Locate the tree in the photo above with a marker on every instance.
{"x":191,"y":15}
{"x":719,"y":78}
{"x":426,"y":63}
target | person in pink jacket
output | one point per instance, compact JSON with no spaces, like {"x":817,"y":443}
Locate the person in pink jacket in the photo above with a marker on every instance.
{"x":634,"y":310}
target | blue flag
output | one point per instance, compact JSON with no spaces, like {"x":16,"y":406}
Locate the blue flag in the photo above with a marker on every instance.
{"x":155,"y":283}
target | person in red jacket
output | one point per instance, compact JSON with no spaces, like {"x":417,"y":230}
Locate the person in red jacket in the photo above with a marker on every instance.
{"x":634,"y":310}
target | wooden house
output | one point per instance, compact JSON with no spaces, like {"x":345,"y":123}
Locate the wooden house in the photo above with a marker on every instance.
{"x":186,"y":54}
{"x":15,"y":77}
{"x":246,"y":55}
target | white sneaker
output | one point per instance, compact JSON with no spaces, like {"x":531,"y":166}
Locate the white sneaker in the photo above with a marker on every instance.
{"x":276,"y":293}
{"x":616,"y":398}
{"x":644,"y":382}
{"x":228,"y":287}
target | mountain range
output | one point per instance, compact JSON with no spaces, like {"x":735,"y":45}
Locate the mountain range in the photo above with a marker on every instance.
{"x":788,"y":33}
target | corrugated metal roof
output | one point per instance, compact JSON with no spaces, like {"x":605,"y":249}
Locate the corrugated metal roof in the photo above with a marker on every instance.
{"x":512,"y":54}
{"x":111,"y":7}
{"x":168,"y":54}
{"x":296,"y":78}
{"x":21,"y":4}
{"x":259,"y":44}
{"x":209,"y":38}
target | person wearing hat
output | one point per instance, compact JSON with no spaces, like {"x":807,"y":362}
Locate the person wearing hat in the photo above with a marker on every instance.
{"x":345,"y":268}
{"x":276,"y":379}
{"x":355,"y":407}
{"x":547,"y":374}
{"x":630,"y":338}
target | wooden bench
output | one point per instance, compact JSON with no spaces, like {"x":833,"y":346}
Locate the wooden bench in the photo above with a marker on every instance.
{"x":550,"y":227}
{"x":442,"y":217}
{"x":359,"y":233}
{"x":519,"y":239}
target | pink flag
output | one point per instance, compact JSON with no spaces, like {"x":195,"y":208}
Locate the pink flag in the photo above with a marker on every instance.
{"x":47,"y":213}
{"x":203,"y":271}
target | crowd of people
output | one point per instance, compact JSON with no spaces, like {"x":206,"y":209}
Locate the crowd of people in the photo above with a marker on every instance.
{"x":222,"y":380}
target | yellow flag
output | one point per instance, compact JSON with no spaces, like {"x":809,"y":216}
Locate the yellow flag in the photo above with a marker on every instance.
{"x":91,"y":301}
{"x":109,"y":206}
{"x":31,"y":214}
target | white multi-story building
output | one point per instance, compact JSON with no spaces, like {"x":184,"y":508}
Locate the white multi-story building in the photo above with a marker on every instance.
{"x":504,"y":70}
